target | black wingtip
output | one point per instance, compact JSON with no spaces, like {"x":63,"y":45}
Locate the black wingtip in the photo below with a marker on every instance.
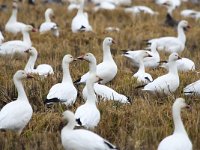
{"x":79,"y":121}
{"x":110,"y":146}
{"x":140,"y":86}
{"x":50,"y":101}
{"x":124,"y":51}
{"x":147,"y":79}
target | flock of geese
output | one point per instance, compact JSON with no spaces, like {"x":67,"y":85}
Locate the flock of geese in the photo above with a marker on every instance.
{"x":16,"y":114}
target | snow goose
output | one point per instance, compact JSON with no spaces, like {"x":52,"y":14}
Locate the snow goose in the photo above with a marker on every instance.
{"x":169,"y":20}
{"x":173,"y":44}
{"x":167,"y":83}
{"x":65,"y":91}
{"x":80,"y":22}
{"x":188,"y":13}
{"x":42,"y":70}
{"x":140,"y":9}
{"x":88,"y":115}
{"x":1,"y":38}
{"x":175,"y":3}
{"x":179,"y":140}
{"x":105,"y":5}
{"x":192,"y":89}
{"x":183,"y":65}
{"x":13,"y":26}
{"x":141,"y":75}
{"x":81,"y":139}
{"x":16,"y":114}
{"x":150,"y":62}
{"x":106,"y":70}
{"x":18,"y":46}
{"x":48,"y":25}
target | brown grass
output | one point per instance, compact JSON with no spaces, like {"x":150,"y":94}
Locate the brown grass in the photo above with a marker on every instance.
{"x":139,"y":126}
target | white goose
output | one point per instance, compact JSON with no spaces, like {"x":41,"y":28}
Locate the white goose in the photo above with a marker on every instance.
{"x":13,"y":26}
{"x":42,"y":69}
{"x":141,"y":75}
{"x":103,"y":91}
{"x":105,"y":5}
{"x":192,"y":89}
{"x":16,"y":114}
{"x":167,"y":83}
{"x":88,"y":115}
{"x":173,"y":44}
{"x":80,"y":22}
{"x":81,"y":139}
{"x":48,"y":25}
{"x":150,"y":62}
{"x":65,"y":91}
{"x":18,"y":46}
{"x":179,"y":140}
{"x":140,"y":9}
{"x":106,"y":70}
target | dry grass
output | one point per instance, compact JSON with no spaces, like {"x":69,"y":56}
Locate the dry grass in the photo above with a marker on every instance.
{"x":139,"y":126}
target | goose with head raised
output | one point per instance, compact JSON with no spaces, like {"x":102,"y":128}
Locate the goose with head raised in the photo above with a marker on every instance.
{"x":168,"y":83}
{"x":81,"y":139}
{"x":18,"y":46}
{"x":48,"y":25}
{"x":65,"y":91}
{"x":106,"y":70}
{"x":173,"y":44}
{"x":16,"y":114}
{"x":179,"y":140}
{"x":13,"y":26}
{"x":42,"y":69}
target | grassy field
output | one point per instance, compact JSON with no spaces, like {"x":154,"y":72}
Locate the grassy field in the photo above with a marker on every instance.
{"x":138,"y":126}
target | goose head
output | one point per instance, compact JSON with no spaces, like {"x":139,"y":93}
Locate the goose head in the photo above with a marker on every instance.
{"x":21,"y":74}
{"x":89,"y":57}
{"x":174,"y":57}
{"x":184,"y":24}
{"x":49,"y":12}
{"x":68,"y":59}
{"x":15,"y":6}
{"x":32,"y":51}
{"x":180,"y":103}
{"x":68,"y":115}
{"x":108,"y":41}
{"x":145,"y":54}
{"x":28,"y":28}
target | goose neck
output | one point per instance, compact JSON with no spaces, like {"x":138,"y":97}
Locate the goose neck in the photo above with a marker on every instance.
{"x":66,"y":74}
{"x":80,"y":10}
{"x":173,"y":68}
{"x":178,"y":124}
{"x":91,"y":96}
{"x":13,"y":17}
{"x":31,"y":62}
{"x":47,"y":17}
{"x":20,"y":90}
{"x":26,"y":37}
{"x":170,"y":10}
{"x":106,"y":53}
{"x":181,"y":34}
{"x":141,"y":67}
{"x":92,"y":67}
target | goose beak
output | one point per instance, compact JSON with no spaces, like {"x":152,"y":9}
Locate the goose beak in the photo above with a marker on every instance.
{"x":75,"y":59}
{"x":149,"y":55}
{"x":99,"y":81}
{"x":179,"y":57}
{"x":113,"y":42}
{"x":29,"y":76}
{"x":53,"y":17}
{"x":34,"y":30}
{"x":81,"y":57}
{"x":189,"y":107}
{"x":26,"y":51}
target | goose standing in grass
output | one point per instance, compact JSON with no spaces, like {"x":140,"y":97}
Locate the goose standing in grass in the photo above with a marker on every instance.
{"x":167,"y":83}
{"x":106,"y":70}
{"x":179,"y":140}
{"x":141,"y":75}
{"x":80,"y":22}
{"x":65,"y":91}
{"x":13,"y":26}
{"x":173,"y":44}
{"x":16,"y":114}
{"x":48,"y":25}
{"x":81,"y":139}
{"x":88,"y":115}
{"x":42,"y":69}
{"x":103,"y":91}
{"x":192,"y":89}
{"x":150,"y":62}
{"x":18,"y":46}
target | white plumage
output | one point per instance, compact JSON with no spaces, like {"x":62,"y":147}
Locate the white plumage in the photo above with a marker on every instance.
{"x":167,"y":83}
{"x":106,"y":70}
{"x":65,"y":91}
{"x":16,"y":114}
{"x":192,"y":89}
{"x":43,"y":69}
{"x":173,"y":44}
{"x":140,"y":9}
{"x":81,"y":139}
{"x":48,"y":25}
{"x":1,"y":38}
{"x":179,"y":140}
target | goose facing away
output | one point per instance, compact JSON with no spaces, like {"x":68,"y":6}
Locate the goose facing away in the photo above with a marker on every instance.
{"x":179,"y":140}
{"x":167,"y":83}
{"x":81,"y":139}
{"x":88,"y":115}
{"x":42,"y":70}
{"x":106,"y":70}
{"x":18,"y":46}
{"x":65,"y":91}
{"x":48,"y":25}
{"x":13,"y":26}
{"x":16,"y":114}
{"x":173,"y":44}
